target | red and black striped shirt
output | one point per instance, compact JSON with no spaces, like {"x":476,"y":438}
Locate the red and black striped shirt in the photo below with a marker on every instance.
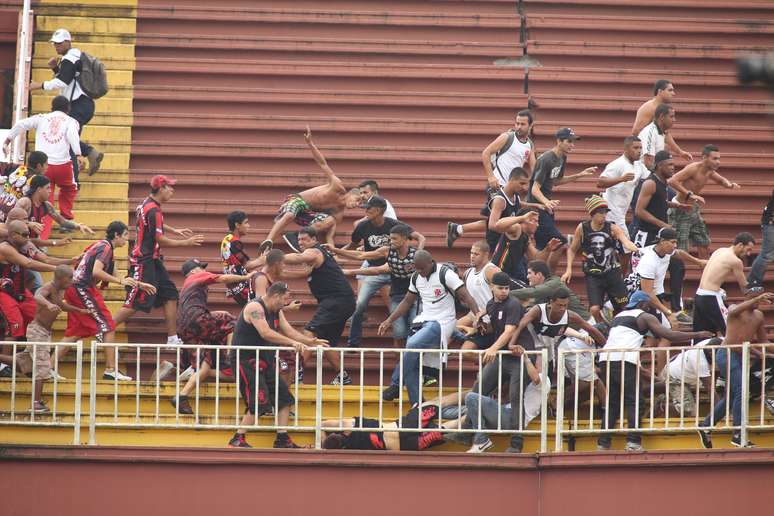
{"x":102,"y":251}
{"x":150,"y":224}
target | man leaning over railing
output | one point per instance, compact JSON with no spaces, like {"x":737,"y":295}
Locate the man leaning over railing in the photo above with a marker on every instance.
{"x":746,"y":323}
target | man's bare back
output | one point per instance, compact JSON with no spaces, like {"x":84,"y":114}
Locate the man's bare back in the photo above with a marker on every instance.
{"x":747,"y":325}
{"x":330,"y":196}
{"x":722,"y":263}
{"x":645,"y":115}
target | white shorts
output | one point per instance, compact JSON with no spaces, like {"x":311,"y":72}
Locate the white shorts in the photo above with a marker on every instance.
{"x":579,"y":364}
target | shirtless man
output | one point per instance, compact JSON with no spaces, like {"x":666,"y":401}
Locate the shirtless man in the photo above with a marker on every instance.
{"x":688,"y":183}
{"x":663,"y":93}
{"x":321,"y":207}
{"x":746,"y":323}
{"x":709,"y":312}
{"x":36,"y":204}
{"x":48,"y":299}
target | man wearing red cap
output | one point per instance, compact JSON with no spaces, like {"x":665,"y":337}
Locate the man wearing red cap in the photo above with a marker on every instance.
{"x":598,"y":240}
{"x":146,"y":264}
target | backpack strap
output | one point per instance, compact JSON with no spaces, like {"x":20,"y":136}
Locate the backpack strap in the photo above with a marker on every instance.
{"x":442,"y":278}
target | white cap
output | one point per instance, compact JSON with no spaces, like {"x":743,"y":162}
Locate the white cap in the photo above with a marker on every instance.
{"x":61,"y":35}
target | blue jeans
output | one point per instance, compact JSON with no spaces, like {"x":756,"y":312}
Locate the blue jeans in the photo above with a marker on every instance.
{"x":400,"y":326}
{"x":428,"y":337}
{"x":735,"y":380}
{"x":489,"y":409}
{"x":369,"y":286}
{"x":764,"y":257}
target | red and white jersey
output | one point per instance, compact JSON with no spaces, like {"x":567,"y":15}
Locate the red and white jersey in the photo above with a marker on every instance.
{"x":56,"y":133}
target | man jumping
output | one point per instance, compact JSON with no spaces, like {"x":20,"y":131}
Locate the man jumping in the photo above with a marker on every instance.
{"x":321,"y":207}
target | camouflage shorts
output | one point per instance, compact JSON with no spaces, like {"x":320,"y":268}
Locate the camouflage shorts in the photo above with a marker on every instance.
{"x":690,"y":227}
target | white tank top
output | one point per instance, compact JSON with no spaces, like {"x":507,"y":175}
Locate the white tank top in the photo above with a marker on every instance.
{"x":624,"y":334}
{"x":515,"y":156}
{"x":478,"y":286}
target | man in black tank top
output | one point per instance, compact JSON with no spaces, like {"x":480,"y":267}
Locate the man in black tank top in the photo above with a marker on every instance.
{"x":335,"y":297}
{"x":262,"y":323}
{"x":503,"y":202}
{"x":651,"y":212}
{"x":516,"y":245}
{"x":598,"y":240}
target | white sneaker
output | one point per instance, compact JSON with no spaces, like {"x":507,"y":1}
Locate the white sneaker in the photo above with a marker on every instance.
{"x":174,"y":342}
{"x":185,"y":375}
{"x":163,"y":371}
{"x":482,"y":447}
{"x":115,"y":375}
{"x":54,"y":374}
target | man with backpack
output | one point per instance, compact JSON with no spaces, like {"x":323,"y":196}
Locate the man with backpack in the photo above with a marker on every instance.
{"x":80,"y":78}
{"x":436,"y":285}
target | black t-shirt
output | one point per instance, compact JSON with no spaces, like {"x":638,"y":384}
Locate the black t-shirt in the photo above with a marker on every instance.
{"x":374,"y":237}
{"x":509,"y":256}
{"x":549,"y":168}
{"x":503,"y":313}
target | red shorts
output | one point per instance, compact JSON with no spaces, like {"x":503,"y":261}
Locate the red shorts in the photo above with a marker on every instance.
{"x":18,"y":314}
{"x":97,"y":322}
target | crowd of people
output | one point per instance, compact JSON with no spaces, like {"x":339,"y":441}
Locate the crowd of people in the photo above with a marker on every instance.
{"x":642,"y":220}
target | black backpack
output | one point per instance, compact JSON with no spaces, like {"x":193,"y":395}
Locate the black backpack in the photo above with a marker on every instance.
{"x":93,"y":77}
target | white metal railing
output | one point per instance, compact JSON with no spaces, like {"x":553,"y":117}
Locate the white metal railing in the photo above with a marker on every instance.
{"x":19,"y":387}
{"x":220,"y":415}
{"x":219,"y":404}
{"x":645,"y":391}
{"x":21,"y":85}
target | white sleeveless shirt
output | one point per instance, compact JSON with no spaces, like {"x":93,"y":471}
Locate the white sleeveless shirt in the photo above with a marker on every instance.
{"x":514,"y":156}
{"x":478,"y":286}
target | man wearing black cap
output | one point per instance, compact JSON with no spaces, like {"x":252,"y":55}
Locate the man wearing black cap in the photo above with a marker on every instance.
{"x":549,"y":172}
{"x":651,"y":212}
{"x":374,"y":233}
{"x":146,"y":263}
{"x":197,"y":325}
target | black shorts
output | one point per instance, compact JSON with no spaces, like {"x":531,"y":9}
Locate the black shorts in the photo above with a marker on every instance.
{"x":330,"y":318}
{"x":415,"y":441}
{"x":708,"y":314}
{"x":610,"y":284}
{"x":547,"y":230}
{"x":269,"y":385}
{"x":481,"y":341}
{"x":153,"y":272}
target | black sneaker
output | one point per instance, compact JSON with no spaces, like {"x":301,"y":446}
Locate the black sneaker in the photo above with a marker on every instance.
{"x":265,"y":247}
{"x":706,"y":439}
{"x":514,"y":449}
{"x":238,"y":441}
{"x":342,"y":379}
{"x":428,"y":381}
{"x":184,"y":406}
{"x":451,"y":234}
{"x":736,"y":440}
{"x":5,"y":371}
{"x":391,"y":393}
{"x":284,"y":441}
{"x":291,"y":238}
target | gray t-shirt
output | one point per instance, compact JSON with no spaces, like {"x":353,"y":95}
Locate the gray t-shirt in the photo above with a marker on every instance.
{"x":549,"y":168}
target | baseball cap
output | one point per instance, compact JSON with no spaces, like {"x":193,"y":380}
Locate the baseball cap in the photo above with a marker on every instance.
{"x":376,"y":202}
{"x":565,"y":133}
{"x":661,"y":156}
{"x":501,"y":279}
{"x":159,"y":181}
{"x":667,"y":234}
{"x":594,"y":203}
{"x":61,"y":35}
{"x":637,"y":298}
{"x":191,"y":264}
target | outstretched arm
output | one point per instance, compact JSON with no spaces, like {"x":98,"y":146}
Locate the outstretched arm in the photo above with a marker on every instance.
{"x":320,"y":160}
{"x":649,"y":322}
{"x":717,"y":178}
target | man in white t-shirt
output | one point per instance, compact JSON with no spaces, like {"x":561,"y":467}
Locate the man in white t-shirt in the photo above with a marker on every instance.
{"x":66,"y":70}
{"x":685,"y":374}
{"x":650,"y":271}
{"x":619,"y":179}
{"x":437,"y":286}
